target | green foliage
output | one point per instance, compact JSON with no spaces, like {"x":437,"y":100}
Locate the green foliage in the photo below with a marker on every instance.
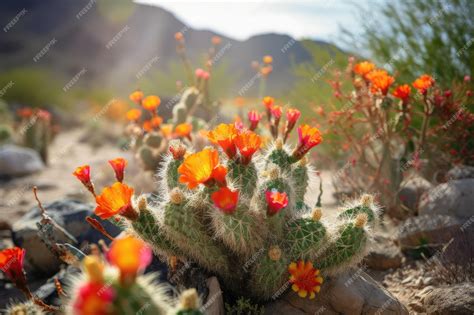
{"x":32,"y":87}
{"x":244,"y":306}
{"x":312,"y":87}
{"x":412,"y":37}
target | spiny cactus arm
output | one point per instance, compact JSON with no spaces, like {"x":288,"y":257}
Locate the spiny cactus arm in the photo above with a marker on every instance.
{"x":147,"y":227}
{"x":365,"y":205}
{"x":184,"y":229}
{"x":348,"y":248}
{"x":279,"y":156}
{"x":305,"y":237}
{"x":300,"y":178}
{"x":243,"y":176}
{"x":269,"y":277}
{"x":168,"y":174}
{"x":186,"y":105}
{"x":242,"y":231}
{"x":188,"y":303}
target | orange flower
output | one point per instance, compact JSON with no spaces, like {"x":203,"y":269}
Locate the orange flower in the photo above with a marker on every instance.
{"x":216,"y":40}
{"x":275,"y":201}
{"x":225,"y":199}
{"x":83,"y":173}
{"x":156,"y":121}
{"x":308,"y":138}
{"x":268,"y":101}
{"x":167,"y":130}
{"x":178,"y":36}
{"x":202,"y":168}
{"x":248,"y":143}
{"x":402,"y":92}
{"x":305,"y":278}
{"x":183,"y":130}
{"x":151,"y":103}
{"x":363,"y":68}
{"x":380,"y":81}
{"x":267,"y":59}
{"x":115,"y":199}
{"x":147,"y":126}
{"x":11,"y":263}
{"x":130,"y":255}
{"x":423,"y":83}
{"x":94,"y":298}
{"x":266,"y":70}
{"x":224,"y":135}
{"x":133,"y":114}
{"x":136,"y":97}
{"x":118,"y":165}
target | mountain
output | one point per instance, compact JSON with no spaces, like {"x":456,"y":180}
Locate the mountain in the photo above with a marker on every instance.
{"x":107,"y":43}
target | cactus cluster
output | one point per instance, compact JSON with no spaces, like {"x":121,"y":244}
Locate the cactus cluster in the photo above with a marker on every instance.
{"x":118,"y":287}
{"x":150,"y":140}
{"x":245,"y":213}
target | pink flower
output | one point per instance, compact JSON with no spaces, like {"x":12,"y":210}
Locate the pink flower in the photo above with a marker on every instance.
{"x":254,"y":118}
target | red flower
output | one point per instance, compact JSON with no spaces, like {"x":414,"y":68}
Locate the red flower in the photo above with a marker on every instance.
{"x":305,"y":279}
{"x":402,"y":92}
{"x":11,"y":263}
{"x":276,"y":112}
{"x":225,"y":199}
{"x":292,"y":115}
{"x":248,"y":142}
{"x":94,"y":299}
{"x":254,"y":118}
{"x":275,"y":201}
{"x":118,"y":165}
{"x":83,"y":173}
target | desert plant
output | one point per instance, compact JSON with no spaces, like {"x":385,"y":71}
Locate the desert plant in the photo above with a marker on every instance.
{"x":35,"y":130}
{"x":244,"y":306}
{"x":387,"y":132}
{"x":243,"y":216}
{"x":100,"y":289}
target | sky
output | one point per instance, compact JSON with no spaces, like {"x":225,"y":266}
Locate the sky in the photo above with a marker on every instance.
{"x":316,"y":19}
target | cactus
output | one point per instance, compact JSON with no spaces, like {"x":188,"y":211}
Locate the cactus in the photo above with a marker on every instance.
{"x":118,"y":287}
{"x":246,"y":217}
{"x":26,"y":308}
{"x":36,"y":131}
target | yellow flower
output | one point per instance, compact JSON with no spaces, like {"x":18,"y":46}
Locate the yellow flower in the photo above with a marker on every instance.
{"x":305,"y":278}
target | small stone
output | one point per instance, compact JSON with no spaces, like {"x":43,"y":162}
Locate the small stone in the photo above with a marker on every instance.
{"x":19,"y":161}
{"x":454,"y":299}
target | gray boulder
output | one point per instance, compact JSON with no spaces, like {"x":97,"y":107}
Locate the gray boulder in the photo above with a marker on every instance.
{"x":432,"y":230}
{"x":454,"y":198}
{"x":411,"y":191}
{"x":69,"y":215}
{"x":456,"y":299}
{"x":460,"y":172}
{"x":19,"y":161}
{"x":351,"y":293}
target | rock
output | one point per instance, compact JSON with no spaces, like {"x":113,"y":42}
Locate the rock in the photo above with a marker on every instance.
{"x":420,"y":231}
{"x":454,"y":299}
{"x":350,"y":293}
{"x":68,"y":214}
{"x":19,"y":161}
{"x":411,"y":191}
{"x":215,"y":302}
{"x":455,"y":198}
{"x":417,"y":307}
{"x":460,"y":172}
{"x":383,"y":255}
